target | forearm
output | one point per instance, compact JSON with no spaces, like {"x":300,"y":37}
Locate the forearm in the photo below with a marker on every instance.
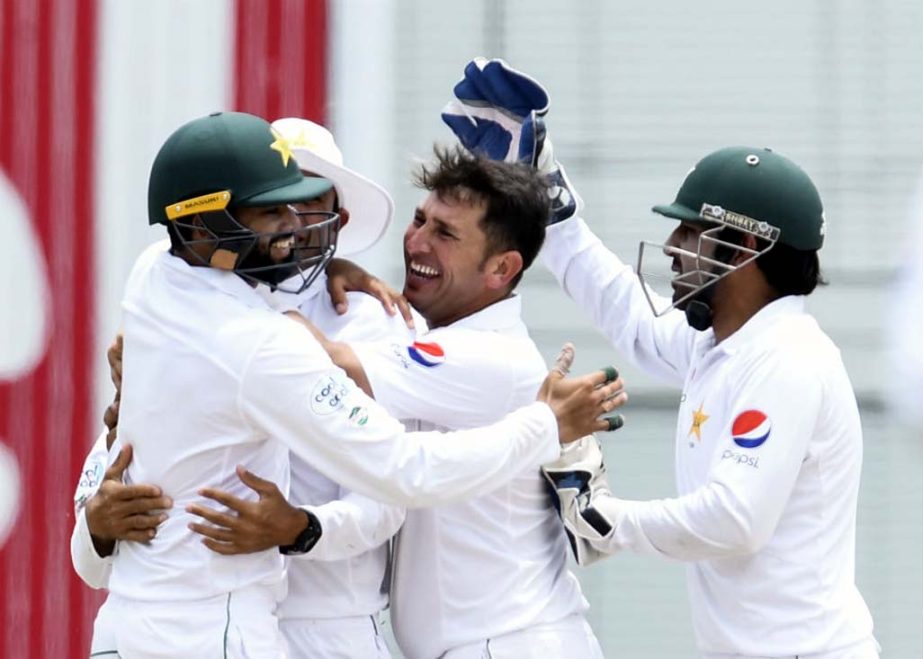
{"x":609,"y":292}
{"x":705,"y":524}
{"x":348,"y":437}
{"x":440,"y":468}
{"x":345,"y":357}
{"x":425,"y":469}
{"x":352,"y":526}
{"x":90,"y":566}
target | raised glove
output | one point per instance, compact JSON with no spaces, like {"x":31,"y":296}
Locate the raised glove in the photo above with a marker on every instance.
{"x":578,"y":483}
{"x":498,"y":112}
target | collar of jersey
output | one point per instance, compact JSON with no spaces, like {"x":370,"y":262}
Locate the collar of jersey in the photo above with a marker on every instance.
{"x":761,"y":320}
{"x":499,"y":315}
{"x":222,"y":280}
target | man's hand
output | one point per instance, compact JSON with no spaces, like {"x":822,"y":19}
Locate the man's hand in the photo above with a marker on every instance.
{"x":345,"y":276}
{"x":498,"y":112}
{"x":124,"y":512}
{"x":250,"y":526}
{"x":495,"y":112}
{"x":111,"y":415}
{"x":111,"y":419}
{"x":580,"y":403}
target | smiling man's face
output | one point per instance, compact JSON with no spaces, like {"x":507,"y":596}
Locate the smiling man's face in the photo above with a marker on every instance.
{"x":445,"y":249}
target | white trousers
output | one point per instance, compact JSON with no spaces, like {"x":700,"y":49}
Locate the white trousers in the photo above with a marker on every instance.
{"x":867,"y":649}
{"x":570,"y":638}
{"x":356,"y":637}
{"x":239,"y":625}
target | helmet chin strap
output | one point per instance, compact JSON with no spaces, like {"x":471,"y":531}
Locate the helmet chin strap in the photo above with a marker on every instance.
{"x":698,"y":310}
{"x":698,"y":315}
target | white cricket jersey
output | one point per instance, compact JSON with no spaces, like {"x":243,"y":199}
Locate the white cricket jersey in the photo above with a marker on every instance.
{"x":343,"y":576}
{"x":768,"y":456}
{"x":494,"y":564}
{"x":211,"y":375}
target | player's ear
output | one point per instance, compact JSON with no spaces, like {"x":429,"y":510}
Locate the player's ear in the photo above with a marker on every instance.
{"x":502,"y":268}
{"x":749,"y":241}
{"x":344,"y":217}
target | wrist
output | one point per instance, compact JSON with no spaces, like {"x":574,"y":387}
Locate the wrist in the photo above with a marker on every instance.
{"x":295,"y":524}
{"x":102,"y":545}
{"x":103,"y":548}
{"x":308,"y":533}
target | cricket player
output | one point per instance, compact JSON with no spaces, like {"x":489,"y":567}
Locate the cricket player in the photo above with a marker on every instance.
{"x":214,"y":378}
{"x":768,"y":438}
{"x":336,"y":585}
{"x":486,"y":576}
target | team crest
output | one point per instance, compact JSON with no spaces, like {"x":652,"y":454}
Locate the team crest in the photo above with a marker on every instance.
{"x":281,"y":145}
{"x":751,"y":429}
{"x":328,"y":395}
{"x":698,"y":419}
{"x":426,"y":354}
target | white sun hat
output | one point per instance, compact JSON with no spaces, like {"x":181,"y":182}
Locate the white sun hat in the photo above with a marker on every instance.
{"x":370,"y":206}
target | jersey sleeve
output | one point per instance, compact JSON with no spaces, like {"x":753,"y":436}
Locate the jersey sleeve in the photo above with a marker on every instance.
{"x":763,"y":446}
{"x":441,"y":379}
{"x":92,"y":568}
{"x":365,"y":321}
{"x":352,"y":525}
{"x":292,"y":392}
{"x":610,"y":293}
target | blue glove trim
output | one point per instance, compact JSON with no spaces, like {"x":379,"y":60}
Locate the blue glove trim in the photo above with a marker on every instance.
{"x":498,"y":85}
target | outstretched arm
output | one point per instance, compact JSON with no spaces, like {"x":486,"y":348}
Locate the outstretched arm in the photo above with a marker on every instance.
{"x":301,"y":399}
{"x":500,"y":112}
{"x":738,"y":508}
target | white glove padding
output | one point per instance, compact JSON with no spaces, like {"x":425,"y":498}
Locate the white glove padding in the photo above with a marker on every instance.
{"x":497,"y":112}
{"x":578,"y":482}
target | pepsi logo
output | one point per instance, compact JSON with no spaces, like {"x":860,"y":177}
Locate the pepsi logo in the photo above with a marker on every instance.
{"x":426,"y":354}
{"x":751,"y":429}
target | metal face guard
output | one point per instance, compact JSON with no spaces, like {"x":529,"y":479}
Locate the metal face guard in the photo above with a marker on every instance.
{"x":707,"y":271}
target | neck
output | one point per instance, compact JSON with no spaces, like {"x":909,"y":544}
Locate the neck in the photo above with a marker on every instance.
{"x":459,"y":314}
{"x":735,"y":305}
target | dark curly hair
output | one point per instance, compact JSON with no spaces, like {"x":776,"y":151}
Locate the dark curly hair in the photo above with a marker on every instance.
{"x":515,"y":197}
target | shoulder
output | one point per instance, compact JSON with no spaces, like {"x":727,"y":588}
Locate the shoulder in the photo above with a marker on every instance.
{"x":365,"y":320}
{"x":494,"y":354}
{"x":794,"y":353}
{"x":271,"y":334}
{"x":147,"y":260}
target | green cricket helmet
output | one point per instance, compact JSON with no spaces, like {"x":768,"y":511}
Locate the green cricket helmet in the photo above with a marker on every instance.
{"x":755,"y":190}
{"x":744,"y":189}
{"x":214,"y":165}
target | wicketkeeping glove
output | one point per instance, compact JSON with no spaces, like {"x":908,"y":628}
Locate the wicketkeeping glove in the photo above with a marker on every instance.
{"x":498,"y":112}
{"x":578,"y":483}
